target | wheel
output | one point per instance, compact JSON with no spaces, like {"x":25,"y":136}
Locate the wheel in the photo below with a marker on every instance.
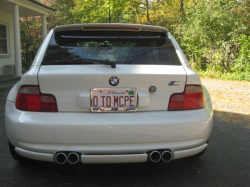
{"x":15,"y":155}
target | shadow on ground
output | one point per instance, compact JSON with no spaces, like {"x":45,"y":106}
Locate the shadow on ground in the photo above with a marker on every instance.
{"x":233,"y":118}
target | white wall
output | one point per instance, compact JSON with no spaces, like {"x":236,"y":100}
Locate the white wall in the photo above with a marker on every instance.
{"x":10,"y":59}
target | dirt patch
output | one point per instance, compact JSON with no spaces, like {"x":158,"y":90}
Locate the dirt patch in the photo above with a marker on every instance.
{"x":231,"y":97}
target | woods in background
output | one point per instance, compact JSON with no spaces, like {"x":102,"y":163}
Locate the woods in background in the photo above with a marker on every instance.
{"x":214,"y":34}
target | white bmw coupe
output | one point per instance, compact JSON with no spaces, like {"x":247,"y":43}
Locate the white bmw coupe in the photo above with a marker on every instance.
{"x":108,"y":93}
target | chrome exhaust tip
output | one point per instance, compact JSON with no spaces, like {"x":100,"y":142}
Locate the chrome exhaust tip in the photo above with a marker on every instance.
{"x":61,"y":158}
{"x":73,"y":158}
{"x":155,"y":156}
{"x":166,"y":156}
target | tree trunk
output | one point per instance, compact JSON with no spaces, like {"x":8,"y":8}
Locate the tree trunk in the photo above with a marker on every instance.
{"x":147,"y":7}
{"x":181,"y":6}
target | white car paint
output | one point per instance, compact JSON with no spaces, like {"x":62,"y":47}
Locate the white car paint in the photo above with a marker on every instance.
{"x":116,"y":137}
{"x":67,"y":82}
{"x":106,"y":133}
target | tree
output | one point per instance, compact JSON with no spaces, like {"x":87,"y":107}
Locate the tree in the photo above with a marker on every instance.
{"x":31,"y":39}
{"x":214,"y":34}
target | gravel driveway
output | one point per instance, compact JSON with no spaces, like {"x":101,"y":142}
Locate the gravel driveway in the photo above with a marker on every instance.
{"x":231,"y":98}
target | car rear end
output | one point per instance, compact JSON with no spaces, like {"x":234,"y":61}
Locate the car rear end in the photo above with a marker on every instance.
{"x":109,"y":93}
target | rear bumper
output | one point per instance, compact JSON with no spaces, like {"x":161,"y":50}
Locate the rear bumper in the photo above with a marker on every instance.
{"x":108,"y":133}
{"x":100,"y":159}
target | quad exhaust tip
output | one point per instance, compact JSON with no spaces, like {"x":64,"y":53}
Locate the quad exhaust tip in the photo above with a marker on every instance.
{"x":61,"y":158}
{"x":73,"y":158}
{"x":155,"y":156}
{"x":166,"y":156}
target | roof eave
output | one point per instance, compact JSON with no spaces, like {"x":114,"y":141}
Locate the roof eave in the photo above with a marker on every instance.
{"x":42,"y":5}
{"x":33,"y":5}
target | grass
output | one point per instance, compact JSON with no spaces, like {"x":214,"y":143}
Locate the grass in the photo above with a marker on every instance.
{"x":244,"y":76}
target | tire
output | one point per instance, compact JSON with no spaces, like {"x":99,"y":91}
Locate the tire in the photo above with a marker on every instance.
{"x":15,"y":155}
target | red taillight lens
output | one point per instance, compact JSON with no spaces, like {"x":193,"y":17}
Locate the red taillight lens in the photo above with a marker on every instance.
{"x":29,"y":98}
{"x":192,"y":98}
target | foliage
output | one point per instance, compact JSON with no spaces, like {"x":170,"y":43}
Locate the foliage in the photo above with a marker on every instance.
{"x":243,"y":56}
{"x":214,"y":34}
{"x":210,"y":34}
{"x":242,"y":76}
{"x":31,"y":38}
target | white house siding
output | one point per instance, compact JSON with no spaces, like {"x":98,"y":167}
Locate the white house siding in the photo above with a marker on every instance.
{"x":9,"y":59}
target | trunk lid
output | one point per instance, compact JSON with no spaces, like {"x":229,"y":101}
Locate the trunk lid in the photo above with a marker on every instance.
{"x":72,"y":84}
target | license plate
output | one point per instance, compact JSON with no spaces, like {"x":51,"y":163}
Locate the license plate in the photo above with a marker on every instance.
{"x":111,"y":100}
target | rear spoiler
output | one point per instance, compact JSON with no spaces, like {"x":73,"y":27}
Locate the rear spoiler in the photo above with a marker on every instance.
{"x":112,"y":27}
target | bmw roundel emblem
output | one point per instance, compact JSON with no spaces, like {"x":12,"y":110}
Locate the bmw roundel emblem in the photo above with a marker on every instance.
{"x":152,"y":89}
{"x":113,"y":81}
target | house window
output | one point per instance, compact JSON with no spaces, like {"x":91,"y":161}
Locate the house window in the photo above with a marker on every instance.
{"x":4,"y":39}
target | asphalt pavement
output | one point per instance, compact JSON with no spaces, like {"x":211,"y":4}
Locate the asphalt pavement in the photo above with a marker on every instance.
{"x":225,"y":163}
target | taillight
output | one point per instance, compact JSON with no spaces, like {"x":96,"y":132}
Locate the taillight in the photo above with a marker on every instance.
{"x":191,"y":98}
{"x":29,"y":98}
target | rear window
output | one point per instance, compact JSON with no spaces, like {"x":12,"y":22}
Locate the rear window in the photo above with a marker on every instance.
{"x":73,"y":47}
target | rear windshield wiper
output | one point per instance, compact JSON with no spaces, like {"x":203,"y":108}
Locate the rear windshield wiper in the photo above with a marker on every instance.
{"x":84,"y":61}
{"x":106,"y":62}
